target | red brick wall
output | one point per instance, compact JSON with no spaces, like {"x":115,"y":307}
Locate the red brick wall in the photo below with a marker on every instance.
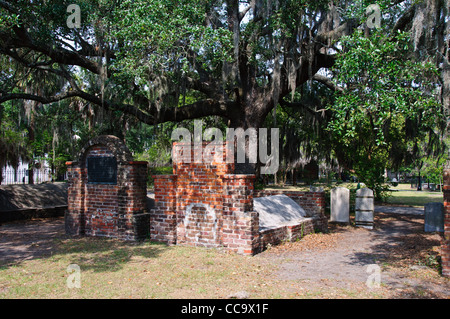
{"x":110,"y":210}
{"x":101,"y":206}
{"x":75,"y":217}
{"x":163,"y":220}
{"x":445,"y":249}
{"x":205,"y":204}
{"x":281,"y":234}
{"x":240,"y":222}
{"x":199,"y":206}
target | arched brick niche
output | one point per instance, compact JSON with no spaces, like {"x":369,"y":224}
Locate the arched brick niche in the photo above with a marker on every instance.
{"x":204,"y":204}
{"x":107,"y":192}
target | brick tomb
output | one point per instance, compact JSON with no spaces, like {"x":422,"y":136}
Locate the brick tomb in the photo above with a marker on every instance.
{"x":205,"y":204}
{"x":107,"y":192}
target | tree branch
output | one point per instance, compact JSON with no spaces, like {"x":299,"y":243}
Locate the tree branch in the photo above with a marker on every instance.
{"x":403,"y":21}
{"x":22,"y":39}
{"x":335,"y":34}
{"x":175,"y":114}
{"x":327,"y":81}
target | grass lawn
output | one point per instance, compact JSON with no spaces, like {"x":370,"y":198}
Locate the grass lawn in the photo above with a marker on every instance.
{"x":111,"y":269}
{"x":414,"y":198}
{"x":403,"y":194}
{"x":114,"y":269}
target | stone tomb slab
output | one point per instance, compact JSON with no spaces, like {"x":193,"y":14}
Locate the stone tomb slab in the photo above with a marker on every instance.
{"x":278,"y":210}
{"x":281,"y":219}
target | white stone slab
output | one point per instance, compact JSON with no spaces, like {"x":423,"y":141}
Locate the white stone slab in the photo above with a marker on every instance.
{"x":340,"y":205}
{"x":278,"y":210}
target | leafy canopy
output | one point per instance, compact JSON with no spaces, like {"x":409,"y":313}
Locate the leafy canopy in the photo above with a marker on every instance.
{"x":389,"y":100}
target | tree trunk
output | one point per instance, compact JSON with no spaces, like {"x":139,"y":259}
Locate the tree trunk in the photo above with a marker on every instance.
{"x":30,"y":107}
{"x":419,"y":183}
{"x":251,"y":115}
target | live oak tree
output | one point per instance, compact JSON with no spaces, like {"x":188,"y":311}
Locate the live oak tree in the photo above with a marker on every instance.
{"x":241,"y":57}
{"x":237,"y":59}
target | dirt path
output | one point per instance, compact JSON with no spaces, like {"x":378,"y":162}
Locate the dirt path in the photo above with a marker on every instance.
{"x":23,"y":240}
{"x":328,"y":264}
{"x":397,"y":250}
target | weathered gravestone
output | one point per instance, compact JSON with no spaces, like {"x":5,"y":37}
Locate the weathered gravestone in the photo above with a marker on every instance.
{"x":364,"y":208}
{"x":434,"y":217}
{"x":340,"y":205}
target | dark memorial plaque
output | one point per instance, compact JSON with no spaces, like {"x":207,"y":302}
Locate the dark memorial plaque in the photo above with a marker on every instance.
{"x":102,"y":170}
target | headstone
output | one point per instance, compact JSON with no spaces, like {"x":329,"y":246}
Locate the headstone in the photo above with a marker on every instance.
{"x":364,"y":208}
{"x":277,"y":210}
{"x":434,"y":217}
{"x":340,"y":205}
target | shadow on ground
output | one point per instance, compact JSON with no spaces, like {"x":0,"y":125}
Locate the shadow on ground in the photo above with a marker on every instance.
{"x":45,"y":238}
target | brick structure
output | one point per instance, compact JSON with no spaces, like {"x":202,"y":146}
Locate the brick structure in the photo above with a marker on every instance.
{"x":204,"y":204}
{"x":286,"y":233}
{"x":445,"y":249}
{"x":313,"y":203}
{"x":115,"y":208}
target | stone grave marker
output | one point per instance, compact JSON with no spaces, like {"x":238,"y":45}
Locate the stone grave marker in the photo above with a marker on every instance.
{"x":340,"y":205}
{"x":434,"y":217}
{"x":364,"y":208}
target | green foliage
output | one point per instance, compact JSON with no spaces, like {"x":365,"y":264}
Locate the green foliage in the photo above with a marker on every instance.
{"x":388,"y":101}
{"x":382,"y":83}
{"x":163,"y":38}
{"x":433,"y":168}
{"x":13,"y":137}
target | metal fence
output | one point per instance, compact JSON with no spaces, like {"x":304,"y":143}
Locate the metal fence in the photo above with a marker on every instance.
{"x":21,"y":176}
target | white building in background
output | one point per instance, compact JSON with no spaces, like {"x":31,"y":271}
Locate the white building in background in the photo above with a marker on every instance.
{"x":21,"y":174}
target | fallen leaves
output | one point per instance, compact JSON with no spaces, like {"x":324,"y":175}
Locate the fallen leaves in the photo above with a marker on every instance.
{"x":318,"y":241}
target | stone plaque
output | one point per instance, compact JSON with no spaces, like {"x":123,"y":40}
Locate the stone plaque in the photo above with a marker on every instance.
{"x":102,"y":170}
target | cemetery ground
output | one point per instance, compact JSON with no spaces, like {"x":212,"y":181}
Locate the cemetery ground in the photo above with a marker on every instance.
{"x":35,"y":255}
